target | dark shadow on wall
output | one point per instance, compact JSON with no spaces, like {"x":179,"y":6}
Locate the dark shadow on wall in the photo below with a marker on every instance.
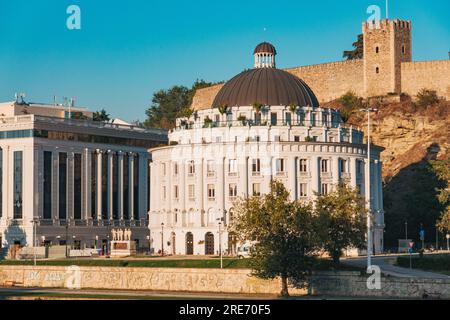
{"x":410,"y":197}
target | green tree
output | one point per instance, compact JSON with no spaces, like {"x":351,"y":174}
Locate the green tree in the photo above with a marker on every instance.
{"x":169,"y":104}
{"x":101,"y":115}
{"x":427,"y":98}
{"x":283,"y":234}
{"x":342,"y":219}
{"x":350,"y":103}
{"x":442,"y":169}
{"x":358,"y":51}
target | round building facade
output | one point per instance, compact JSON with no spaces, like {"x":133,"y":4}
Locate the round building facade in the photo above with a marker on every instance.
{"x":264,"y":124}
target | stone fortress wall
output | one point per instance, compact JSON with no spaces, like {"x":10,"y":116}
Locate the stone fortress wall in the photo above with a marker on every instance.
{"x":434,"y":75}
{"x":387,"y":67}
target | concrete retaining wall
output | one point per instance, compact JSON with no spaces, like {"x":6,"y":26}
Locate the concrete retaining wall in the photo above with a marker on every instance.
{"x":156,"y":279}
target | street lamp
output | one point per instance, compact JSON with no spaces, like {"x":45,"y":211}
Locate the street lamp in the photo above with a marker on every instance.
{"x":149,"y":244}
{"x":67,"y":237}
{"x":34,"y":222}
{"x":220,"y":242}
{"x":369,"y":222}
{"x":448,"y":244}
{"x":162,"y":239}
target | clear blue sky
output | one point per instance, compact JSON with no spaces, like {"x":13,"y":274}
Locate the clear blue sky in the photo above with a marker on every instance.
{"x":126,"y":50}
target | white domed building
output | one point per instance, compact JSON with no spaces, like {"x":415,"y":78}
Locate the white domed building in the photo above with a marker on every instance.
{"x":264,"y":124}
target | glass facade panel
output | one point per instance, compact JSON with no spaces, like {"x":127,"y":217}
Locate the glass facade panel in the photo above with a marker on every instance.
{"x":18,"y":172}
{"x":62,"y":185}
{"x":136,"y":188}
{"x":77,"y":186}
{"x":47,"y":201}
{"x":94,"y":186}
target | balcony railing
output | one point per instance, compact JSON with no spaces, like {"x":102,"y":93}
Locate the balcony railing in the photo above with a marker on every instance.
{"x":253,"y":123}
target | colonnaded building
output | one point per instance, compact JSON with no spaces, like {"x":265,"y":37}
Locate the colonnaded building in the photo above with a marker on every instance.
{"x":70,"y":177}
{"x":263,"y":124}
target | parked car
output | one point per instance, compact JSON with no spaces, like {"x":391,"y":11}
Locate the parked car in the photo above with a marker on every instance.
{"x":243,"y":252}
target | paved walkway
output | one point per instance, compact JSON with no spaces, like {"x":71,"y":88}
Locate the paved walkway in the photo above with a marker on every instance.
{"x":386,"y":264}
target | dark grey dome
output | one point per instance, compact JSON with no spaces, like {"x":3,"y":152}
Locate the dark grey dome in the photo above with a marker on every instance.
{"x":265,"y":47}
{"x":268,"y":86}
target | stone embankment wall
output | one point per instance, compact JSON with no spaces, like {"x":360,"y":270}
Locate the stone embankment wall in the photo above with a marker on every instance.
{"x":353,"y":284}
{"x":237,"y":281}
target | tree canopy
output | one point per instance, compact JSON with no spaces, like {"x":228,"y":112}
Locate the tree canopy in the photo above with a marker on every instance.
{"x":442,"y":170}
{"x":342,"y":219}
{"x":358,"y":51}
{"x":283,"y":233}
{"x":168,"y":104}
{"x":101,"y":115}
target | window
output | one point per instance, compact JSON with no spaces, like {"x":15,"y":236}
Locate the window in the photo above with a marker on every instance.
{"x":77,"y":186}
{"x":136,"y":177}
{"x":164,"y":194}
{"x":403,"y":49}
{"x":324,"y":189}
{"x":211,"y":192}
{"x":313,"y":119}
{"x":303,"y":165}
{"x":280,"y":166}
{"x":126,"y":187}
{"x":256,"y":166}
{"x":273,"y":119}
{"x":176,"y":192}
{"x":377,"y":70}
{"x":303,"y":190}
{"x":324,"y":119}
{"x":324,"y":165}
{"x":18,"y":158}
{"x":191,"y":192}
{"x":218,"y":139}
{"x":62,"y":185}
{"x":258,"y":118}
{"x":175,"y":169}
{"x":296,"y":138}
{"x":288,"y":118}
{"x":232,"y":167}
{"x":47,"y":185}
{"x":210,"y":167}
{"x":277,"y":138}
{"x":232,"y":190}
{"x":377,"y":50}
{"x":359,"y":166}
{"x":191,"y":168}
{"x":256,"y":190}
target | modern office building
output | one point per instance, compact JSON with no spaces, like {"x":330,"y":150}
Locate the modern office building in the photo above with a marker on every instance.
{"x":264,"y":124}
{"x":69,"y":178}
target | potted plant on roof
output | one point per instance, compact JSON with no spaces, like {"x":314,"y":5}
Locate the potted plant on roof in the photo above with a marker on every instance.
{"x":242,"y":119}
{"x":258,"y":108}
{"x":207,"y":122}
{"x":293,"y":109}
{"x":223,"y":109}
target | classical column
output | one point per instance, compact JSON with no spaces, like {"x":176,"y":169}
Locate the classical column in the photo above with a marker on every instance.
{"x":292,"y":175}
{"x":110,"y":185}
{"x":182,"y":190}
{"x":352,"y":172}
{"x":199,"y":191}
{"x":120,"y":185}
{"x":335,"y":170}
{"x":131,"y":185}
{"x":99,"y":156}
{"x":315,"y":175}
{"x":221,"y":190}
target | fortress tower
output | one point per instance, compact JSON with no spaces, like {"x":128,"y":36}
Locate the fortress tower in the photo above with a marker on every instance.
{"x":386,"y":46}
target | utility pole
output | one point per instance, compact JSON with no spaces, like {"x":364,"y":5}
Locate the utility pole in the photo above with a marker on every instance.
{"x":220,"y":243}
{"x":369,"y":205}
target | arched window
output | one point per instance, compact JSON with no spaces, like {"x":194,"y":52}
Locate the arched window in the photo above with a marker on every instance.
{"x":377,"y":50}
{"x":377,"y":70}
{"x":403,"y":49}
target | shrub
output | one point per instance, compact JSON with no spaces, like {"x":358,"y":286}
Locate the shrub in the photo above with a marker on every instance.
{"x":426,"y":98}
{"x":350,"y":103}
